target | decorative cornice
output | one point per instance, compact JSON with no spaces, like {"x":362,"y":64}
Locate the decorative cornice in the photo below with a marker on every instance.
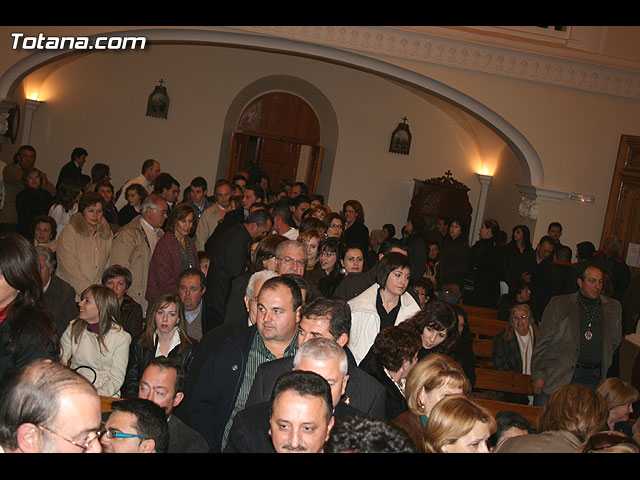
{"x":466,"y":55}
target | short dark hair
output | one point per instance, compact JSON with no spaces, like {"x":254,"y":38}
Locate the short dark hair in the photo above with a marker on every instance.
{"x":506,"y":419}
{"x":389,"y":228}
{"x":288,"y":282}
{"x":303,"y":383}
{"x":164,"y":182}
{"x":45,"y":219}
{"x":585,"y":250}
{"x":117,"y":271}
{"x":194,"y":272}
{"x":563,"y":253}
{"x":395,"y":344}
{"x":391,"y":243}
{"x":257,"y":191}
{"x":390,"y":262}
{"x":78,"y":152}
{"x":282,"y":210}
{"x":259,"y":217}
{"x":181,"y":212}
{"x":147,"y":164}
{"x":582,"y":271}
{"x":99,"y":171}
{"x":366,"y":434}
{"x":300,"y":199}
{"x":554,"y":224}
{"x":151,"y":420}
{"x":547,"y":239}
{"x":165,"y":362}
{"x":336,"y":309}
{"x":199,"y":182}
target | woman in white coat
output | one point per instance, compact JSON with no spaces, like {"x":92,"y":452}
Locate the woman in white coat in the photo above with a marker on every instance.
{"x":95,"y":344}
{"x":383,"y":304}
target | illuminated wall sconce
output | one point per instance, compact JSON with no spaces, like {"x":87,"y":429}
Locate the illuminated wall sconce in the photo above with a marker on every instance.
{"x":582,"y":197}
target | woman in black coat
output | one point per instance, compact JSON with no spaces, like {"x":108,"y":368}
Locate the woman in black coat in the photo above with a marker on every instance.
{"x":417,"y":246}
{"x":164,"y":335}
{"x":390,"y":359}
{"x":355,"y":231}
{"x":454,"y":262}
{"x":519,"y":256}
{"x":486,"y":267}
{"x":31,"y":202}
{"x":27,"y":329}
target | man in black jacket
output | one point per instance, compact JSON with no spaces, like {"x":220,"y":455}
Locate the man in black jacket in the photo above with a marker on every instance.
{"x":330,"y":319}
{"x":73,"y":169}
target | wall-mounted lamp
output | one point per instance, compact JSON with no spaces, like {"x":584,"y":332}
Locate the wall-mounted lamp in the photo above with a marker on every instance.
{"x":30,"y":106}
{"x":582,"y":197}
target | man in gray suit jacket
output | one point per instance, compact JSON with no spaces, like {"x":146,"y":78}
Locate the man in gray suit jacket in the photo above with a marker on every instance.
{"x":577,"y":339}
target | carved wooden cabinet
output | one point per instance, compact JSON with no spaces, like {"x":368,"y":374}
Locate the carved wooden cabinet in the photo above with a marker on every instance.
{"x":440,"y":196}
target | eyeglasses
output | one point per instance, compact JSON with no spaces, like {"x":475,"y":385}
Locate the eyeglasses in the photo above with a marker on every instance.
{"x":521,"y":317}
{"x":335,"y":225}
{"x":326,"y":254}
{"x":83,"y":446}
{"x":289,"y":261}
{"x":111,"y":434}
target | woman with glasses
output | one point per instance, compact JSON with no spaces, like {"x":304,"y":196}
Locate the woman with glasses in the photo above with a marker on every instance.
{"x":513,"y":348}
{"x":335,"y":225}
{"x":326,"y":275}
{"x":355,"y":231}
{"x":95,"y":344}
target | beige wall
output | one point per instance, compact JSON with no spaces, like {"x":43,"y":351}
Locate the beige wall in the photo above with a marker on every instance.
{"x":98,"y":101}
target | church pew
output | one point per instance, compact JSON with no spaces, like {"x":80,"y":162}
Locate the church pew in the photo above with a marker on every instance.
{"x":486,"y":326}
{"x":494,"y":406}
{"x":483,"y":351}
{"x":480,"y":311}
{"x":105,"y":403}
{"x":498,"y":381}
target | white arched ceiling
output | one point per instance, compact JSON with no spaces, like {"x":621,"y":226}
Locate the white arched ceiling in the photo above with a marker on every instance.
{"x":529,"y":159}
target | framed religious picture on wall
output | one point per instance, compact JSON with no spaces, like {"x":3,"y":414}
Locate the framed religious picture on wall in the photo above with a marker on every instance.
{"x":158,"y":102}
{"x":401,"y":138}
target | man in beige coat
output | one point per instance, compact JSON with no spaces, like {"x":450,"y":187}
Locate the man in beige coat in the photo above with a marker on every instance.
{"x":134,"y":244}
{"x":214,"y":214}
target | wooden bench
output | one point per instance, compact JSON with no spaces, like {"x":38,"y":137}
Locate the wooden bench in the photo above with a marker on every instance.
{"x":480,"y":311}
{"x":497,"y":381}
{"x":105,"y":403}
{"x":494,"y":406}
{"x":483,"y":330}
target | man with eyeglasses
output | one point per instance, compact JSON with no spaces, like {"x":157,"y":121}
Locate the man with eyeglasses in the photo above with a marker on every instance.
{"x":577,"y":339}
{"x":291,"y":257}
{"x":49,"y":408}
{"x":136,"y":425}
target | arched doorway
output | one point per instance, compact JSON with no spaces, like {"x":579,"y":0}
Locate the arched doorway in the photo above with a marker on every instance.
{"x":278,"y":133}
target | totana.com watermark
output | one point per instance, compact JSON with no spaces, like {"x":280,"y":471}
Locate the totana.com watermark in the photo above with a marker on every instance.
{"x":43,"y":42}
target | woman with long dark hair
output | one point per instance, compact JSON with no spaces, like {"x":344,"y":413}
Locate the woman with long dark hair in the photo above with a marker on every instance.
{"x":355,"y":231}
{"x":327,"y":275}
{"x":32,"y":201}
{"x":486,"y":257}
{"x":27,"y":329}
{"x":454,"y":262}
{"x":417,"y":242}
{"x":519,"y":256}
{"x":66,"y":202}
{"x":165,"y":335}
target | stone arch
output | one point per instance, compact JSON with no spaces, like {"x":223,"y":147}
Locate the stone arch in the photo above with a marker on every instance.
{"x":526,"y":154}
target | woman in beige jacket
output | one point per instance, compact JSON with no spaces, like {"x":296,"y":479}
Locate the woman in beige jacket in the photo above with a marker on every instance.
{"x":95,"y":344}
{"x":84,"y":246}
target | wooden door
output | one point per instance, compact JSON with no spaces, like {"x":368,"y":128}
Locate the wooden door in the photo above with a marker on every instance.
{"x":623,"y":211}
{"x":279,"y":160}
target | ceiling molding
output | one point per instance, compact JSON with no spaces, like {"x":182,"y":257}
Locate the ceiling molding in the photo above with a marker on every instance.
{"x":547,"y":69}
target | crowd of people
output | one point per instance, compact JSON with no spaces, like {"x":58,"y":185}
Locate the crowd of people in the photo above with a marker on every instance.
{"x":252,"y":319}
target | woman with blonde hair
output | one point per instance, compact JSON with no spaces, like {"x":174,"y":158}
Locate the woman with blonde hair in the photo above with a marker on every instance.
{"x":165,"y":335}
{"x":458,"y":425}
{"x":429,"y":381}
{"x":619,"y":397}
{"x":95,"y":343}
